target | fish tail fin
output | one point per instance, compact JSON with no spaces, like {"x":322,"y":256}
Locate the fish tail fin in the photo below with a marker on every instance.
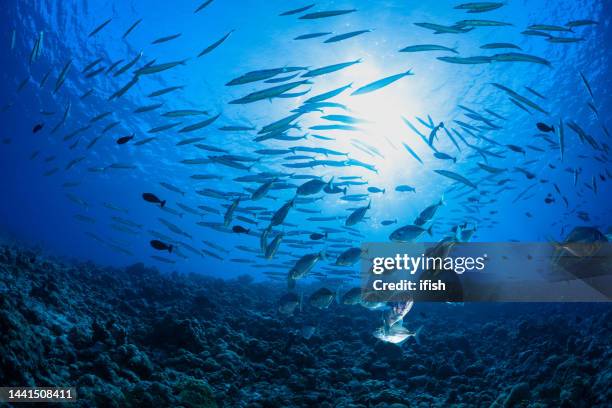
{"x":162,"y":203}
{"x":429,"y":231}
{"x":417,"y":335}
{"x":326,"y":234}
{"x":442,"y":202}
{"x":384,"y":190}
{"x":291,"y":285}
{"x":170,"y":248}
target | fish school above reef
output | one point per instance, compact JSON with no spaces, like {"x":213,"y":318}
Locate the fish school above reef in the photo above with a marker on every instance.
{"x":239,"y":156}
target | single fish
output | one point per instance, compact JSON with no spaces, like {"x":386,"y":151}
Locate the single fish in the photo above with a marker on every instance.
{"x":131,"y":28}
{"x":269,"y":93}
{"x":100,"y":27}
{"x":202,"y":6}
{"x":427,"y":47}
{"x":62,"y":76}
{"x":479,"y":7}
{"x":456,"y":177}
{"x":297,"y":10}
{"x":326,"y":14}
{"x":215,"y":44}
{"x":493,"y":46}
{"x":164,"y":91}
{"x":381,"y":83}
{"x":161,"y":246}
{"x":166,"y":39}
{"x":154,"y":69}
{"x":357,"y":215}
{"x":125,"y":139}
{"x":346,"y":36}
{"x":408,"y":233}
{"x":311,"y":35}
{"x":152,"y":198}
{"x":330,"y":68}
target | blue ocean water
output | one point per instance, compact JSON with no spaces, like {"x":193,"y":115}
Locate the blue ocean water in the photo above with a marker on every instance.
{"x":35,"y":208}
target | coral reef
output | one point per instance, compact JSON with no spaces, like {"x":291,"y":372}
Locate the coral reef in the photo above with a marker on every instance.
{"x":134,"y":337}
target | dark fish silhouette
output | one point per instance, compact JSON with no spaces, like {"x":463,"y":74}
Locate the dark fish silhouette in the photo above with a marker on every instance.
{"x":37,"y":127}
{"x":239,"y":229}
{"x":125,"y":139}
{"x":161,"y":246}
{"x":152,"y":198}
{"x":317,"y":236}
{"x":543,"y":127}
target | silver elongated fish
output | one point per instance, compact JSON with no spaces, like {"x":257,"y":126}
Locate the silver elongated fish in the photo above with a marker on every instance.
{"x":519,"y":57}
{"x":183,"y":112}
{"x":62,"y":76}
{"x":325,"y":14}
{"x":166,"y":38}
{"x":330,"y":68}
{"x":493,"y":46}
{"x":479,"y":7}
{"x":199,"y":125}
{"x":215,"y":44}
{"x":346,"y":36}
{"x":312,"y":35}
{"x":328,"y":95}
{"x":269,"y":93}
{"x":99,"y":28}
{"x":428,"y":47}
{"x":131,"y":28}
{"x":128,"y":65}
{"x":297,"y":10}
{"x":466,"y":60}
{"x":482,"y":23}
{"x":202,"y":6}
{"x":154,"y":69}
{"x":457,"y":177}
{"x":381,"y":83}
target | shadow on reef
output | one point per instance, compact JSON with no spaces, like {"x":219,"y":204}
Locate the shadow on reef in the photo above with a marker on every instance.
{"x":135,"y":337}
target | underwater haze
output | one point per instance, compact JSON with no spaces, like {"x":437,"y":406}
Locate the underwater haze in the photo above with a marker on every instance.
{"x":272,"y":139}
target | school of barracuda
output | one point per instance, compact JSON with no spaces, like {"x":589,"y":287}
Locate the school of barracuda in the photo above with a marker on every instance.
{"x":279,"y":162}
